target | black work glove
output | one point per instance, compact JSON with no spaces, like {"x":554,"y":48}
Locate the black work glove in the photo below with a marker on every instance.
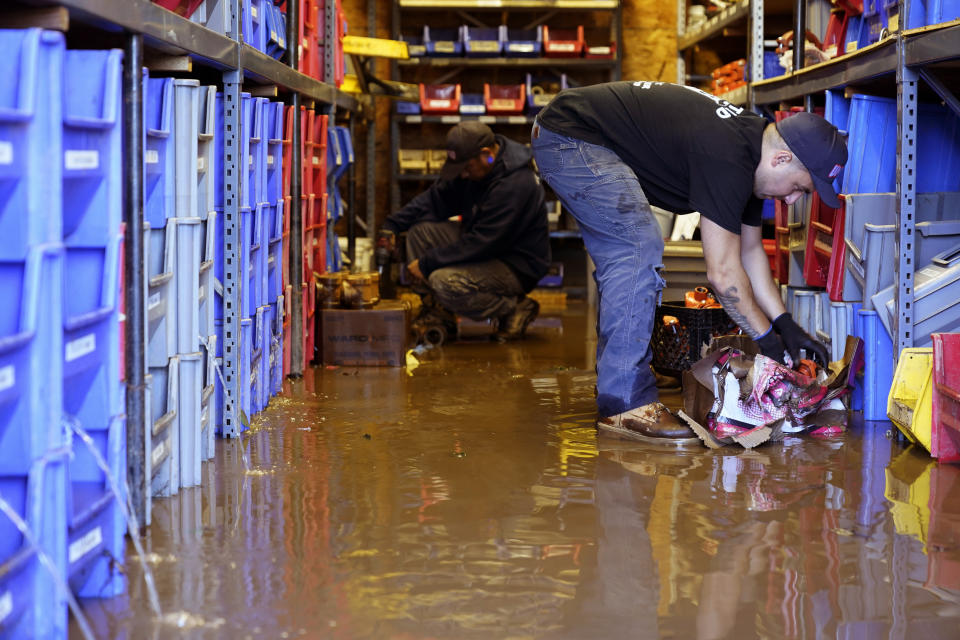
{"x":771,"y":346}
{"x":795,"y":338}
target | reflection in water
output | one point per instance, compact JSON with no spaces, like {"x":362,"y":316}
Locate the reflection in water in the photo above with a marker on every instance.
{"x":472,"y":498}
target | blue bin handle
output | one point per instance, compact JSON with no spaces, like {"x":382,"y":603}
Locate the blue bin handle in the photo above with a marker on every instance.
{"x":948,"y":257}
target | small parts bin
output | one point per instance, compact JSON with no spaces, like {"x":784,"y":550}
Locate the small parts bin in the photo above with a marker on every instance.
{"x":563,"y":43}
{"x":441,"y":99}
{"x":504,"y":99}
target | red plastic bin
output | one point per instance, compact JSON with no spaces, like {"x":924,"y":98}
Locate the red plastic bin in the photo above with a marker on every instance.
{"x":504,"y":99}
{"x":439,"y":98}
{"x":563,"y":43}
{"x":820,"y":242}
{"x":184,"y":8}
{"x":945,"y":428}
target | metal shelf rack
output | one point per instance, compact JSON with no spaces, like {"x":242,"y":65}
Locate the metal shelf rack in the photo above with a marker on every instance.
{"x":478,"y":12}
{"x":144,"y":24}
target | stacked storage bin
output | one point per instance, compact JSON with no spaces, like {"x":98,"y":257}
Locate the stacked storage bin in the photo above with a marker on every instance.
{"x":315,"y":240}
{"x":93,"y":406}
{"x":32,"y":453}
{"x":339,"y":160}
{"x":160,"y":247}
{"x":305,"y":207}
{"x":274,"y":221}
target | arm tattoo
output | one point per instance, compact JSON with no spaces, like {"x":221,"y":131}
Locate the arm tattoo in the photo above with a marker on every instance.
{"x":729,"y":299}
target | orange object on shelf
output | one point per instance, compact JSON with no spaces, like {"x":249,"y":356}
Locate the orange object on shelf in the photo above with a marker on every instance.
{"x":700,"y":298}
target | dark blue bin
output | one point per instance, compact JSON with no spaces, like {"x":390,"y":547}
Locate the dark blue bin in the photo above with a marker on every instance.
{"x":482,"y":42}
{"x":408,"y":108}
{"x":442,"y":43}
{"x":30,"y":140}
{"x":258,"y":150}
{"x":32,"y":604}
{"x":276,"y":31}
{"x":91,"y":147}
{"x":929,"y":12}
{"x":30,"y":358}
{"x":254,"y":23}
{"x":159,"y":190}
{"x":274,"y":138}
{"x":523,"y":43}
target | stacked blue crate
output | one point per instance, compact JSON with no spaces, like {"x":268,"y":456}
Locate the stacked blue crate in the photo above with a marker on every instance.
{"x":276,"y":38}
{"x":258,"y":174}
{"x":32,"y":453}
{"x":206,"y":210}
{"x":275,"y":200}
{"x":160,"y":243}
{"x":91,"y":390}
{"x":929,"y":12}
{"x":254,"y":23}
{"x":339,"y":160}
{"x":189,"y":226}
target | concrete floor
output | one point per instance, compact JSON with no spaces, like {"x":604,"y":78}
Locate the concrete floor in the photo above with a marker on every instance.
{"x":471,"y":497}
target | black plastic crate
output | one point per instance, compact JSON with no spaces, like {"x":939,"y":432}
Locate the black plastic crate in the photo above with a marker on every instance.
{"x":677,"y":347}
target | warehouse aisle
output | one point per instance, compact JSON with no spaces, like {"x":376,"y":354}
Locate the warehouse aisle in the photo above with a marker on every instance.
{"x":470,"y":497}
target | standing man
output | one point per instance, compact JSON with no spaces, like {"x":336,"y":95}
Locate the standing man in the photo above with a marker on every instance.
{"x":483,"y":266}
{"x":612,"y":150}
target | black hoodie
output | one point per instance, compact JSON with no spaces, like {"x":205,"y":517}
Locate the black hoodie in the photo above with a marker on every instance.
{"x":504,"y":217}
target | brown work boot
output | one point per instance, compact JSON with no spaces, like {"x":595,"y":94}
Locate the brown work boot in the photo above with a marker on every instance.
{"x":650,"y":423}
{"x":514,"y":325}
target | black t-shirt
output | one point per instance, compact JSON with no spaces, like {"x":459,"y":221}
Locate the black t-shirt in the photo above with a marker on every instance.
{"x":691,"y":151}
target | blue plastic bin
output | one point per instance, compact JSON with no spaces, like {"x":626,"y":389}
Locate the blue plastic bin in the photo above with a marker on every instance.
{"x":874,"y":21}
{"x":537,"y":97}
{"x":442,"y":43}
{"x":275,"y":271}
{"x":482,"y":42}
{"x":30,"y":600}
{"x":255,"y":158}
{"x":878,"y":365}
{"x":191,"y":391}
{"x":161,"y":262}
{"x":95,"y":525}
{"x":91,"y":147}
{"x":158,"y":154}
{"x":206,"y":157}
{"x":276,"y":31}
{"x":205,"y":293}
{"x":471,"y":104}
{"x":408,"y":108}
{"x":264,"y":385}
{"x":415,"y":46}
{"x":929,"y":12}
{"x":259,"y":146}
{"x":254,"y":23}
{"x":30,"y":362}
{"x":187,"y":284}
{"x":771,"y":65}
{"x":523,"y":43}
{"x":186,"y":133}
{"x":30,"y":140}
{"x":274,"y":174}
{"x":164,"y":388}
{"x":209,"y":410}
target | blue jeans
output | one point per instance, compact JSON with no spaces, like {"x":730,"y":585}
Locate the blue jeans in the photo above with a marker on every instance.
{"x":622,"y":236}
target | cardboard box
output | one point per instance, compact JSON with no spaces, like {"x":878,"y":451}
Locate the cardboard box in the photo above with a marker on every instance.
{"x":377,"y":337}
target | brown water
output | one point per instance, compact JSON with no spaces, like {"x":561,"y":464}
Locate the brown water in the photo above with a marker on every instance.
{"x":471,"y":497}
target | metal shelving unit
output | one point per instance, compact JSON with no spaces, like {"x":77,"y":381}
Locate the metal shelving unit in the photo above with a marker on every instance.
{"x":147,"y":25}
{"x":903,"y":59}
{"x":476,"y":13}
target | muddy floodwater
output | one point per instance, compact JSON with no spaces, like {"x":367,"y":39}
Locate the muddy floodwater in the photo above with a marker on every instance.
{"x":470,"y":496}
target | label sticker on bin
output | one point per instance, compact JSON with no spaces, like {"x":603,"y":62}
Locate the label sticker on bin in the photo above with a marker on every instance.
{"x":6,"y":152}
{"x":157,"y":454}
{"x":151,"y":156}
{"x":78,"y":160}
{"x":81,"y":347}
{"x":153,"y":301}
{"x":6,"y":605}
{"x":201,"y":164}
{"x":85,"y":545}
{"x":8,"y":377}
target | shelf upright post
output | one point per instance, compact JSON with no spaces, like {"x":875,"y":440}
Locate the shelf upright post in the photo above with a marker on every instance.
{"x":330,"y":42}
{"x":134,"y":356}
{"x":295,"y":250}
{"x":755,"y":48}
{"x":907,"y":85}
{"x":681,"y":29}
{"x":232,"y":175}
{"x":371,"y":166}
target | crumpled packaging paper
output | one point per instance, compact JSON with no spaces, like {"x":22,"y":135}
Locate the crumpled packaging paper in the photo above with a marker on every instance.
{"x":735,"y":395}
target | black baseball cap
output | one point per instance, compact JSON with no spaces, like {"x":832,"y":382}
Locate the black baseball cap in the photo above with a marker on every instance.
{"x":820,"y":147}
{"x":465,"y":141}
